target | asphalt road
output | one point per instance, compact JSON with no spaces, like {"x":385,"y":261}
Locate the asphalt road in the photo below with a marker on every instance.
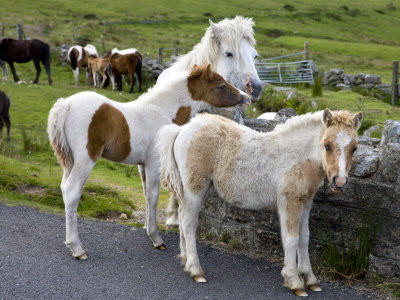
{"x":122,"y":264}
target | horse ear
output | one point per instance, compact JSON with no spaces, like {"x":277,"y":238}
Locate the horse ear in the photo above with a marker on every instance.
{"x":209,"y":72}
{"x":196,"y":72}
{"x":216,"y":31}
{"x":357,"y":119}
{"x":328,"y":117}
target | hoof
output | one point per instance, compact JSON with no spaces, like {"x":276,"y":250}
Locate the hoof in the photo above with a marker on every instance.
{"x":300,"y":293}
{"x":315,"y":288}
{"x":161,"y":247}
{"x":82,"y":257}
{"x":199,"y":279}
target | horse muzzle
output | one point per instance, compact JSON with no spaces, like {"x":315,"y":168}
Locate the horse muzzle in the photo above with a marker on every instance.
{"x":338,"y":183}
{"x":245,"y":100}
{"x":256,"y":90}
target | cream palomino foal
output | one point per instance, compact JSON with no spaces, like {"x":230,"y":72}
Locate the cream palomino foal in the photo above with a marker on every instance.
{"x":279,"y":170}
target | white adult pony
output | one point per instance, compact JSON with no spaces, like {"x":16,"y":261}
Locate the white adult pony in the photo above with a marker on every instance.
{"x":229,"y":47}
{"x":86,"y":126}
{"x":78,"y":58}
{"x":281,"y":169}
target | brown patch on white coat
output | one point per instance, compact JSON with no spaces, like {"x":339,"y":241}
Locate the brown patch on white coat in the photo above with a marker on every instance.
{"x":206,"y":160}
{"x":108,"y":135}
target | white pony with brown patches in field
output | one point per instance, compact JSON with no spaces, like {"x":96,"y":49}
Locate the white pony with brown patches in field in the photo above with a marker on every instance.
{"x":280,"y":170}
{"x":78,"y":58}
{"x":229,"y":47}
{"x":86,"y":126}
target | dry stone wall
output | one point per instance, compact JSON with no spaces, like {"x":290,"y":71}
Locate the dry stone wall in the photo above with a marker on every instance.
{"x":374,"y":182}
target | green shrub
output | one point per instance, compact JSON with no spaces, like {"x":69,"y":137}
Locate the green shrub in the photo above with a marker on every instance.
{"x":351,"y":259}
{"x":316,"y":88}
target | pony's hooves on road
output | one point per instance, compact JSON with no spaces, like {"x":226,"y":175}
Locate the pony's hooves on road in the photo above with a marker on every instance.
{"x":315,"y":288}
{"x":82,"y":257}
{"x":300,"y":293}
{"x":162,"y":247}
{"x":199,"y":279}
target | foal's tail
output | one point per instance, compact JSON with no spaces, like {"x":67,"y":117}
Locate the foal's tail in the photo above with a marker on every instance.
{"x":170,"y":175}
{"x":56,"y":132}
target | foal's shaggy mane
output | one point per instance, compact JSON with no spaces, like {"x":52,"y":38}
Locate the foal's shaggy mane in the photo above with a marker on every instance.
{"x":340,"y":117}
{"x":300,"y":122}
{"x":207,"y":50}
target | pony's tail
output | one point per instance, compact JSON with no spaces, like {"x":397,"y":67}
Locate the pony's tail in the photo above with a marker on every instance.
{"x":73,"y":60}
{"x":56,"y":132}
{"x":170,"y":175}
{"x":138,"y":70}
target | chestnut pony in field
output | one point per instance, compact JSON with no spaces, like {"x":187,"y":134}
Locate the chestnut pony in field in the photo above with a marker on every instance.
{"x":127,"y":61}
{"x":24,"y":51}
{"x":280,"y":170}
{"x":78,"y":58}
{"x":86,"y":126}
{"x":5,"y":113}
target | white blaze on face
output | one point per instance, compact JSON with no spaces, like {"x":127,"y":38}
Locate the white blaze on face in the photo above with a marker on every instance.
{"x":342,"y":140}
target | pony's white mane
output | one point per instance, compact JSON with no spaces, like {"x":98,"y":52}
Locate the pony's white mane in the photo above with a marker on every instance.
{"x":300,"y":122}
{"x":91,"y":50}
{"x":172,"y":83}
{"x":123,"y":52}
{"x":232,"y":31}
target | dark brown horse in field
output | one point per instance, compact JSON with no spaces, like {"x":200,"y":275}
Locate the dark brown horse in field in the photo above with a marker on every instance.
{"x":24,"y":51}
{"x":4,"y":113}
{"x":130,"y":63}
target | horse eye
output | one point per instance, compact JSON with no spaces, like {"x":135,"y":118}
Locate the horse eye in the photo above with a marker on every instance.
{"x":229,"y":54}
{"x":255,"y":57}
{"x":327,"y":147}
{"x":222,"y":86}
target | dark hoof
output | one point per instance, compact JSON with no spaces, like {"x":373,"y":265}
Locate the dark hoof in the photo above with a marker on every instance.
{"x":161,"y":247}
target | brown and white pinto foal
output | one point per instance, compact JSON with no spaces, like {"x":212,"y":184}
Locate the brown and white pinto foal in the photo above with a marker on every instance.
{"x":86,"y":126}
{"x":281,"y":170}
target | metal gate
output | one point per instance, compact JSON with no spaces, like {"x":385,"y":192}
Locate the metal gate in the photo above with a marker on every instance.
{"x":288,"y":72}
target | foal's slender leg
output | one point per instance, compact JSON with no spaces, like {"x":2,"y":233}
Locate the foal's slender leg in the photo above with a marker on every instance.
{"x":72,"y":192}
{"x":11,"y":64}
{"x":38,"y":70}
{"x":152,"y":193}
{"x":172,"y":212}
{"x":289,"y":222}
{"x":304,"y":265}
{"x":189,"y":217}
{"x":182,"y":241}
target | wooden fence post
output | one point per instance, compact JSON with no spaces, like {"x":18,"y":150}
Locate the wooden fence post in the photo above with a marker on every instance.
{"x":305,"y":53}
{"x":160,"y":55}
{"x":395,"y":81}
{"x":102,"y":44}
{"x":2,"y":28}
{"x":20,"y":32}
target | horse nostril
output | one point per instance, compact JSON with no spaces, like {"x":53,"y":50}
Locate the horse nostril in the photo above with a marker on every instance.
{"x":256,"y":90}
{"x":340,"y":181}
